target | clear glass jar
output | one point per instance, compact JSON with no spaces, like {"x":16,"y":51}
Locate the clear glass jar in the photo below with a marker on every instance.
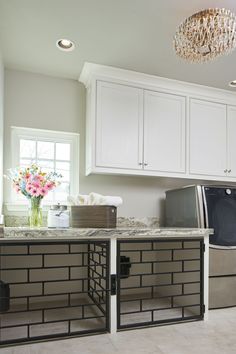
{"x":58,"y":216}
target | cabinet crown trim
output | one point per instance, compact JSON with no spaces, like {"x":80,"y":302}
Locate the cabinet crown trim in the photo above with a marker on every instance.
{"x":93,"y":71}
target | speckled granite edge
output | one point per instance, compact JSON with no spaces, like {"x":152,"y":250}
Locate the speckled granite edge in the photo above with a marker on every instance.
{"x":21,"y":221}
{"x":59,"y":234}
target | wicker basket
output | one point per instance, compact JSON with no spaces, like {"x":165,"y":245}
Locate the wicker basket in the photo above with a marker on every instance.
{"x":93,"y":216}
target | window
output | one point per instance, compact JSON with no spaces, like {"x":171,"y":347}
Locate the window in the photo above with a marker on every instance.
{"x":51,"y":150}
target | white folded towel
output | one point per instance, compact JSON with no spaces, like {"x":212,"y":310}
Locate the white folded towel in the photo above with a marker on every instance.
{"x":95,"y":199}
{"x":82,"y":199}
{"x":98,"y":199}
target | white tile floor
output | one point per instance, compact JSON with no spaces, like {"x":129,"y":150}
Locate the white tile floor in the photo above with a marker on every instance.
{"x":215,"y":336}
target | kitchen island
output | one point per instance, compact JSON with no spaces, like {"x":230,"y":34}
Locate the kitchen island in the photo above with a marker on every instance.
{"x":67,"y":282}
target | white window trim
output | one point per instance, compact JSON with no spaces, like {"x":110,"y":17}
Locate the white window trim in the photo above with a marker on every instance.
{"x":18,"y":133}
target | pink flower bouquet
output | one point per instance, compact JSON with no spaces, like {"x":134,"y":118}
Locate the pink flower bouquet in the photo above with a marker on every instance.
{"x":34,"y":184}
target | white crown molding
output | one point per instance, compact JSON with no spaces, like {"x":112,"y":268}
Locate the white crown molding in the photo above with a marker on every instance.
{"x":93,"y":71}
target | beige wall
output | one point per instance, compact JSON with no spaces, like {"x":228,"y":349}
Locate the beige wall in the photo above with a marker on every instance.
{"x":38,"y":101}
{"x":1,"y":129}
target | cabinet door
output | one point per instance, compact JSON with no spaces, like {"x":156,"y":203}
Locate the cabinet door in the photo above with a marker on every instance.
{"x":231,"y":140}
{"x":207,"y":138}
{"x":164,"y":132}
{"x":119,"y":126}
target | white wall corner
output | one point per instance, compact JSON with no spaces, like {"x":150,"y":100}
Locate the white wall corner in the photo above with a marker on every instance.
{"x":1,"y":130}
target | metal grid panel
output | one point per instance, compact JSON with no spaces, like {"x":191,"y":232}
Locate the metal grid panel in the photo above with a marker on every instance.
{"x":165,"y":283}
{"x":57,"y":289}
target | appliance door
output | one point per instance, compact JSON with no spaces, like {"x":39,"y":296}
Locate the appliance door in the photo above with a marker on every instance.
{"x":220,"y":214}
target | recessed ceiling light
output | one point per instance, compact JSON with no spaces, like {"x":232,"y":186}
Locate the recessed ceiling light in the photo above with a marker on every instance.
{"x":232,"y":83}
{"x":65,"y":44}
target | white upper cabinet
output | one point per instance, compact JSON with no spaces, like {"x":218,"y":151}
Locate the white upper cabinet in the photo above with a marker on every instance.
{"x":138,"y":129}
{"x":119,"y":126}
{"x":139,"y":124}
{"x":207,"y":138}
{"x":164,"y":132}
{"x":231,"y":139}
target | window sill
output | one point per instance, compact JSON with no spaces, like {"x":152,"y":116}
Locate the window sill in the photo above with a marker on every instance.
{"x":22,"y":208}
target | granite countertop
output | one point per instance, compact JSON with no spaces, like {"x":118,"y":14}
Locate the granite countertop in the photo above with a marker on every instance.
{"x":25,"y":233}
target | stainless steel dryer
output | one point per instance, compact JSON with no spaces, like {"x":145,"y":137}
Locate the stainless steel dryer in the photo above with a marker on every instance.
{"x":214,"y":207}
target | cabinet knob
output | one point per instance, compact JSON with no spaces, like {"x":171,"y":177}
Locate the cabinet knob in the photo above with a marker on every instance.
{"x":229,"y":171}
{"x":225,"y":171}
{"x":145,"y":164}
{"x":140,"y":163}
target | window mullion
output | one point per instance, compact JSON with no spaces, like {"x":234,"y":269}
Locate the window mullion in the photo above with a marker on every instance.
{"x":36,"y":152}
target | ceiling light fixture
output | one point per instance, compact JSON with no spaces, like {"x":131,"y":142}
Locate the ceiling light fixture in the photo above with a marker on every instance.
{"x":206,"y":35}
{"x":232,"y":83}
{"x":65,"y":44}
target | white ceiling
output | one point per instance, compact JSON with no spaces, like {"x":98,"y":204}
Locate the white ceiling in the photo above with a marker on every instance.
{"x":130,"y":34}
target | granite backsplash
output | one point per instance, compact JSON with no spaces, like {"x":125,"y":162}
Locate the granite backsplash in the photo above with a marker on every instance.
{"x":149,"y":222}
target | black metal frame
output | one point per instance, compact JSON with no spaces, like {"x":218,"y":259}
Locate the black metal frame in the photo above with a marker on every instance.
{"x":94,"y":286}
{"x":183,"y":308}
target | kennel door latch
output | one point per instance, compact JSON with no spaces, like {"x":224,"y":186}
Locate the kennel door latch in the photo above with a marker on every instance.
{"x":113,"y":284}
{"x":203,"y":308}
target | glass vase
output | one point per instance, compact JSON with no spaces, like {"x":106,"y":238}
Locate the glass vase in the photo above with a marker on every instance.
{"x":35,"y":213}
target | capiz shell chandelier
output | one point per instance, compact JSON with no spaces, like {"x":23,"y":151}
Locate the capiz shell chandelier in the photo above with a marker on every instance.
{"x":206,"y":35}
